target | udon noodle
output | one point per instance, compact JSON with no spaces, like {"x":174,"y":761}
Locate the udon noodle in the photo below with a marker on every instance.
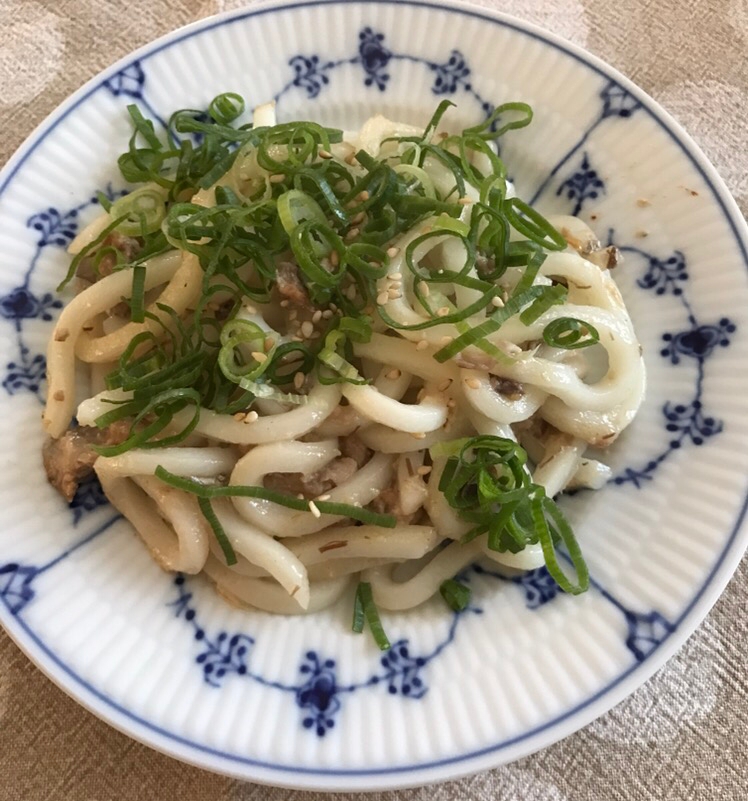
{"x":289,"y":369}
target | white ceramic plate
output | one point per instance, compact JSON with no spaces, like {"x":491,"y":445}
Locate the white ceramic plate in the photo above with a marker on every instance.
{"x":304,"y":702}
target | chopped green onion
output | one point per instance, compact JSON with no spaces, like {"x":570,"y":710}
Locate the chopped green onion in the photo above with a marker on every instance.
{"x":227,"y":107}
{"x":365,"y":608}
{"x":455,"y":594}
{"x":220,"y":534}
{"x":570,"y":334}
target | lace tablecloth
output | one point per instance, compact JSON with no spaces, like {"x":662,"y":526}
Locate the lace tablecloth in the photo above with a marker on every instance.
{"x":681,"y":736}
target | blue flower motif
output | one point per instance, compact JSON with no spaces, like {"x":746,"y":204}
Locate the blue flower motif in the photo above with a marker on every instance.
{"x":318,"y":696}
{"x":309,"y":74}
{"x":27,"y":374}
{"x":128,"y":82}
{"x":699,"y":342}
{"x":15,"y":586}
{"x":617,"y":102}
{"x":403,"y":671}
{"x":54,"y":228}
{"x":646,"y":632}
{"x":582,"y":185}
{"x":451,"y":73}
{"x":374,"y":58}
{"x":88,"y":496}
{"x":539,"y":587}
{"x":688,"y":420}
{"x":21,"y":304}
{"x":664,"y":275}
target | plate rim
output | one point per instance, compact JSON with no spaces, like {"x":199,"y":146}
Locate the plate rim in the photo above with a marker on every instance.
{"x":572,"y":720}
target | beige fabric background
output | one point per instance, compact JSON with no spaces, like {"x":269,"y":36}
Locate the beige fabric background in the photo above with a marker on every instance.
{"x":682,"y":736}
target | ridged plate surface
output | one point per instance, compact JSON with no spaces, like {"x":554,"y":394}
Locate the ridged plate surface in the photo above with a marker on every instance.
{"x":303,"y":702}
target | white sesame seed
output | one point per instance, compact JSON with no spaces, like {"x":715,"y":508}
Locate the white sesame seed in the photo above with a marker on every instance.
{"x":293,"y":315}
{"x":443,"y":312}
{"x":422,"y":344}
{"x":250,"y":417}
{"x":444,"y":384}
{"x":352,"y":234}
{"x":393,"y":374}
{"x":314,"y":510}
{"x":363,"y":195}
{"x":423,"y":288}
{"x":258,"y":356}
{"x":315,"y":335}
{"x":382,"y":298}
{"x":446,"y":340}
{"x":334,"y":258}
{"x":284,"y":304}
{"x":465,"y":201}
{"x":498,"y":302}
{"x":239,"y":416}
{"x":300,"y":496}
{"x":395,"y":276}
{"x":249,"y":308}
{"x":424,"y":470}
{"x":324,"y":154}
{"x":473,"y":383}
{"x":358,"y":219}
{"x":392,"y":252}
{"x":394,"y":293}
{"x":298,"y":380}
{"x":327,"y":314}
{"x":276,"y":179}
{"x":306,"y":329}
{"x":351,"y":292}
{"x":419,"y":435}
{"x":317,"y":316}
{"x":325,"y":497}
{"x":269,"y":342}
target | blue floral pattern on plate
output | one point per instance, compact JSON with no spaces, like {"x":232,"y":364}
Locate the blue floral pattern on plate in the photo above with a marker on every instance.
{"x":223,"y":655}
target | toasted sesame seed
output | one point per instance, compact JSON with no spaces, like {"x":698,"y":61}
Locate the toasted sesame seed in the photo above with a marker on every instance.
{"x":314,"y":510}
{"x":382,"y":298}
{"x":392,"y":252}
{"x":334,"y":258}
{"x":424,"y":470}
{"x":352,"y":234}
{"x":258,"y":356}
{"x":327,"y":314}
{"x":284,"y":304}
{"x":62,"y":335}
{"x":306,"y":329}
{"x":498,"y":302}
{"x":422,"y":344}
{"x":358,"y":219}
{"x":298,"y":380}
{"x":395,"y":276}
{"x":325,"y":497}
{"x":239,"y":416}
{"x":300,"y":496}
{"x":351,"y":292}
{"x":250,"y":417}
{"x":473,"y":383}
{"x":363,"y":195}
{"x":59,"y":395}
{"x":394,"y":293}
{"x":465,"y":201}
{"x":446,"y":340}
{"x":293,"y":315}
{"x":393,"y":374}
{"x":443,"y":312}
{"x":317,"y":316}
{"x":269,"y":342}
{"x":423,"y":288}
{"x":419,"y":435}
{"x":277,"y":178}
{"x":444,"y":384}
{"x":324,"y":154}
